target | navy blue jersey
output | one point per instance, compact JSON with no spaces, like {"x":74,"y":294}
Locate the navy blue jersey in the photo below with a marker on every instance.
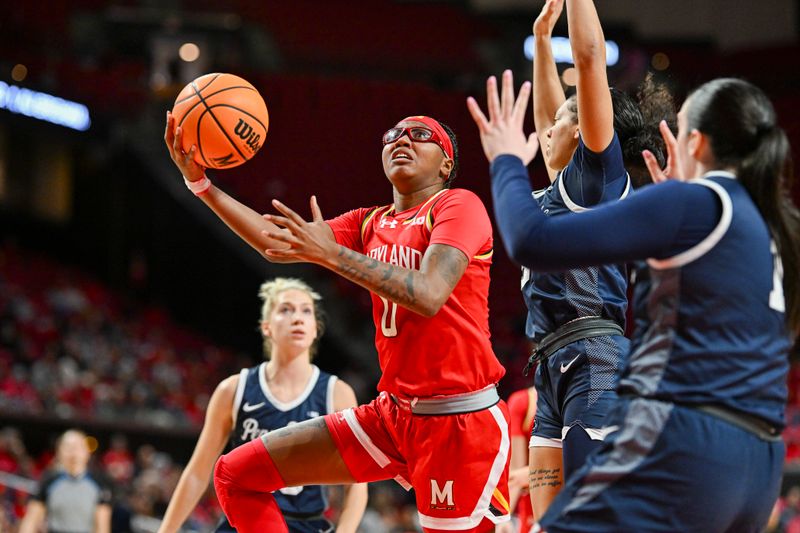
{"x":555,"y":298}
{"x":715,"y":327}
{"x":256,"y":412}
{"x":714,"y":315}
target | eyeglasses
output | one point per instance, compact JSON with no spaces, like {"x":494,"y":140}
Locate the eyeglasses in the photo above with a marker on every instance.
{"x":416,"y":134}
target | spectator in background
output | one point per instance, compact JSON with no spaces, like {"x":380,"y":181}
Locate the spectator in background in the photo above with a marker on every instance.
{"x":118,"y":460}
{"x":70,"y":498}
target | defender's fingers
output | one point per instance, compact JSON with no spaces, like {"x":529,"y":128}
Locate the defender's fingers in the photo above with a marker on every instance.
{"x":477,"y":115}
{"x":521,"y":105}
{"x":492,"y":99}
{"x":507,"y":94}
{"x":651,"y":162}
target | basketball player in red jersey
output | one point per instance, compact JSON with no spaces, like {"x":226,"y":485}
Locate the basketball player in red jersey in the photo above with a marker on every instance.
{"x":438,"y":425}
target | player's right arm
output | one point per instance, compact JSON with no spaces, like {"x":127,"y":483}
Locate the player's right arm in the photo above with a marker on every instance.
{"x":245,"y":222}
{"x":35,"y":514}
{"x":595,"y":109}
{"x":548,"y":94}
{"x":196,"y":476}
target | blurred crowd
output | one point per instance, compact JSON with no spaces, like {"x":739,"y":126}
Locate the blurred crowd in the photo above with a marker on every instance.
{"x":70,"y":348}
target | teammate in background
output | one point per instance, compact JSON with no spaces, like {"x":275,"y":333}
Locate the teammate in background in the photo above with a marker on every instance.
{"x":702,"y":396}
{"x":577,"y":317}
{"x":284,"y":390}
{"x":70,"y":498}
{"x":522,"y":409}
{"x":438,"y":424}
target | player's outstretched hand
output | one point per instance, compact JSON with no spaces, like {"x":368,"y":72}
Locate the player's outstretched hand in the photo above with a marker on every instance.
{"x":183,"y":160}
{"x":502,"y":132}
{"x":546,"y":21}
{"x":310,"y":242}
{"x":673,"y":170}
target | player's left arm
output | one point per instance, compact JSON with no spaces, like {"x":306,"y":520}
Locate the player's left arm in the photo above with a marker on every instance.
{"x":355,"y":496}
{"x":422,"y":291}
{"x":102,"y":518}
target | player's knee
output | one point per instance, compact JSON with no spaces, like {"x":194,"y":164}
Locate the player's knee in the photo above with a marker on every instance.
{"x":222,"y":475}
{"x":249,"y":468}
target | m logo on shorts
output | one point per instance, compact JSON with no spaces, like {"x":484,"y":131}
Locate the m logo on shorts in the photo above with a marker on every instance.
{"x":442,"y":498}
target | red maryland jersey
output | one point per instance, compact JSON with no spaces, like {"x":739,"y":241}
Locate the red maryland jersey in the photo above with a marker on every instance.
{"x":449,"y":353}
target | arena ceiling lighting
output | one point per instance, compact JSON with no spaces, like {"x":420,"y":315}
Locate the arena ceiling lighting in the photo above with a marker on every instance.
{"x":562,"y":51}
{"x":44,"y":106}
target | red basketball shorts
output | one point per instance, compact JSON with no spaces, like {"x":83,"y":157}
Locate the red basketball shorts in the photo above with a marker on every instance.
{"x":457,"y":464}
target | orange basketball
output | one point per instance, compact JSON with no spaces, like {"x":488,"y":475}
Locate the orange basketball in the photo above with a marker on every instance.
{"x":224,"y":116}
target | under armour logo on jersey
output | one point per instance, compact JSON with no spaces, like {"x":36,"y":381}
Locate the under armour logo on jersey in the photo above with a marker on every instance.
{"x":442,"y":498}
{"x":391,"y":223}
{"x":312,"y":414}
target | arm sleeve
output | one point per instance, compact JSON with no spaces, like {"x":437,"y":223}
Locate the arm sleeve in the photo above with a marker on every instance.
{"x":591,"y":178}
{"x":106,"y":490}
{"x":658,"y":221}
{"x":461,"y":221}
{"x":517,"y":409}
{"x":347,"y":228}
{"x":44,"y":486}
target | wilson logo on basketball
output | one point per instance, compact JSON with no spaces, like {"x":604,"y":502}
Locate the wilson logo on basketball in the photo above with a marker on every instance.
{"x":246,"y":133}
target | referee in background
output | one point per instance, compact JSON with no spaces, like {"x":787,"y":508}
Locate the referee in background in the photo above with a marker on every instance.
{"x":70,"y":498}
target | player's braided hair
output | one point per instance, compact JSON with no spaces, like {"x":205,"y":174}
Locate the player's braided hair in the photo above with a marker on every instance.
{"x":450,"y":133}
{"x":742,"y":126}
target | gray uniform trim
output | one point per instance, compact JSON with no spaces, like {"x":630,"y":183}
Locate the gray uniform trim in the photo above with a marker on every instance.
{"x":451,"y":405}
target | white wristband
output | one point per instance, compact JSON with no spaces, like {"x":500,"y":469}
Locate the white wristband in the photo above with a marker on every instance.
{"x":198,"y":187}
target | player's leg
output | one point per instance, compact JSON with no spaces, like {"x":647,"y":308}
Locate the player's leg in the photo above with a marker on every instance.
{"x":545,"y":461}
{"x":587,"y":396}
{"x":300,"y":454}
{"x":351,"y":446}
{"x":546,"y":475}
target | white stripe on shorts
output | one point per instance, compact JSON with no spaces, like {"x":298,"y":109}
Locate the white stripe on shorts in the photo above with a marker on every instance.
{"x":481,"y":510}
{"x":377,"y":455}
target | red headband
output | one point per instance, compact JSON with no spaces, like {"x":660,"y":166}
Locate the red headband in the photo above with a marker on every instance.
{"x":445,"y":142}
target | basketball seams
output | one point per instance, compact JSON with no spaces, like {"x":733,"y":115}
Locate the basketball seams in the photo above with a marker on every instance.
{"x":244,"y":112}
{"x":188,"y":111}
{"x":206,"y":86}
{"x":219,"y":125}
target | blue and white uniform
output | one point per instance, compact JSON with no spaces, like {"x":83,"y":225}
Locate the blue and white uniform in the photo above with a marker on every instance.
{"x":576,"y":383}
{"x":256,"y":412}
{"x":696,"y":445}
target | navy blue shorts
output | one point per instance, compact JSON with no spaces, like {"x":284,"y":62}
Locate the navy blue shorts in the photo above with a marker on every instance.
{"x":576,"y":386}
{"x":670,"y":468}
